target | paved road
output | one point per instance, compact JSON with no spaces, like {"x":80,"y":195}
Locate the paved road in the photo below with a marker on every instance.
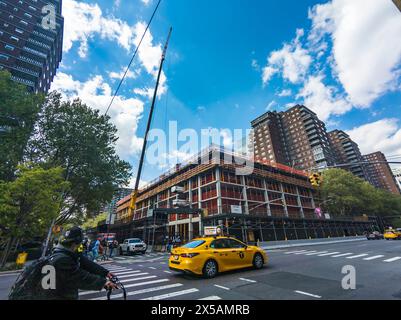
{"x":311,"y":273}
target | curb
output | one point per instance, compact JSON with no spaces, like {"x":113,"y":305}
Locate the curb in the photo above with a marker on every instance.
{"x":281,"y":246}
{"x":10,"y":273}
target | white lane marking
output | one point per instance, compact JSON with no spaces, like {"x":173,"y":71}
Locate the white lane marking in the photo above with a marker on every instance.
{"x":133,"y":275}
{"x":315,"y":253}
{"x":248,"y":280}
{"x":153,"y":268}
{"x":308,"y":294}
{"x":137,"y":279}
{"x":374,"y":257}
{"x":221,"y":287}
{"x":392,"y":259}
{"x":289,"y":252}
{"x":342,"y":255}
{"x":132,"y":293}
{"x":327,"y":254}
{"x":167,"y":271}
{"x":305,"y":252}
{"x":162,"y":263}
{"x":172,"y":294}
{"x":211,"y":298}
{"x":126,"y":272}
{"x":145,"y":283}
{"x":358,"y":256}
{"x":140,"y":265}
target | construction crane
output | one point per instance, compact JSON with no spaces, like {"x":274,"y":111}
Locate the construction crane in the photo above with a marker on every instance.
{"x":134,"y":194}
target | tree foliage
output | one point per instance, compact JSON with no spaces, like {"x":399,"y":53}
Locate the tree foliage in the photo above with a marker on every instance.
{"x":345,"y":194}
{"x":93,"y":222}
{"x":18,"y":113}
{"x":80,"y":140}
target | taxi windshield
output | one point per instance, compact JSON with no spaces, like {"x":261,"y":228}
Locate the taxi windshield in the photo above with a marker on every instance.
{"x":194,"y":244}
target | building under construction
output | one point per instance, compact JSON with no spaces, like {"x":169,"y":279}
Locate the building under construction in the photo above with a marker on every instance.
{"x":274,"y":202}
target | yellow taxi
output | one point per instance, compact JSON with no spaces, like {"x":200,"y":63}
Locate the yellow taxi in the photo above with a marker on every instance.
{"x":211,"y":255}
{"x":392,"y":234}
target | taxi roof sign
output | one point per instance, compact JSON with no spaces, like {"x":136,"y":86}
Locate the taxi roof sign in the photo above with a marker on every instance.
{"x":213,"y":231}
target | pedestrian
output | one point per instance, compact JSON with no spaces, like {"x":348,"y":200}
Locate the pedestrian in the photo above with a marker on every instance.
{"x":95,"y":249}
{"x":73,"y":272}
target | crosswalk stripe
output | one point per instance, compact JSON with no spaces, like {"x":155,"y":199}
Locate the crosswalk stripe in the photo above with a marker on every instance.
{"x":315,"y":253}
{"x":133,"y":275}
{"x":342,"y":255}
{"x":374,"y":257}
{"x":132,"y":293}
{"x":358,"y":256}
{"x":289,"y":252}
{"x":211,"y":298}
{"x":137,"y":279}
{"x":305,"y":252}
{"x":167,"y":271}
{"x":153,"y":268}
{"x":172,"y":294}
{"x":84,"y":293}
{"x":327,"y":254}
{"x":126,"y":272}
{"x":145,"y":283}
{"x":221,"y":287}
{"x":392,"y":259}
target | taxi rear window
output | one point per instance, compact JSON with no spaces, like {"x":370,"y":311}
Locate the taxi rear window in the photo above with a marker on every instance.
{"x":194,"y":244}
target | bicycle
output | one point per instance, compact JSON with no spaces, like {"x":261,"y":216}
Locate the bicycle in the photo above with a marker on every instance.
{"x":116,"y":281}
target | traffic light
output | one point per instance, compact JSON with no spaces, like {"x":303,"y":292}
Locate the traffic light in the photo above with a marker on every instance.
{"x":315,"y":179}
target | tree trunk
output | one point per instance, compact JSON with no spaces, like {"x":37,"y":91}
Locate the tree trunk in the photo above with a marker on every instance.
{"x":6,"y":252}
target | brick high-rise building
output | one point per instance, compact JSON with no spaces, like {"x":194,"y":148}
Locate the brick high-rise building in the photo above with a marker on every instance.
{"x":31,"y":39}
{"x":296,"y":138}
{"x":346,"y":151}
{"x":380,"y":172}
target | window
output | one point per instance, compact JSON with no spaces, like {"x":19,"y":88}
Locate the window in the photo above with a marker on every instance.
{"x":19,"y":31}
{"x":219,"y":244}
{"x":14,"y":38}
{"x":24,"y":22}
{"x":235,"y":244}
{"x":9,"y":47}
{"x":26,"y":14}
{"x":194,"y":244}
{"x":3,"y":57}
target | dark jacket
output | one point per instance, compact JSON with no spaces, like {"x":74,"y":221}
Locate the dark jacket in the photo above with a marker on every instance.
{"x":73,"y":272}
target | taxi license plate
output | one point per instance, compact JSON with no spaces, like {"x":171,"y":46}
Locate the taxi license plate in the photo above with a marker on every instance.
{"x":176,"y":257}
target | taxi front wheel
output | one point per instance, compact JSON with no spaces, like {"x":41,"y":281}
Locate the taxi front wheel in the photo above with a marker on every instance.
{"x":258,"y":261}
{"x":210,"y":269}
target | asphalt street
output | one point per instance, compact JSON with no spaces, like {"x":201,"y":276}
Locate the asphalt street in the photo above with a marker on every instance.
{"x":301,"y":273}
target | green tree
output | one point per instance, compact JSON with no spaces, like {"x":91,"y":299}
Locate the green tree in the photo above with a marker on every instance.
{"x":93,"y":222}
{"x":29,"y":203}
{"x":18,"y":113}
{"x":345,"y":194}
{"x":82,"y":141}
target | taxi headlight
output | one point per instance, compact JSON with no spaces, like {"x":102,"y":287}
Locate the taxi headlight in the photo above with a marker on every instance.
{"x":189,"y":255}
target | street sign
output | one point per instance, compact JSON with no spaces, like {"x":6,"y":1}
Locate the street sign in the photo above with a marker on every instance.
{"x":21,"y":258}
{"x":327,"y":216}
{"x":236,"y":209}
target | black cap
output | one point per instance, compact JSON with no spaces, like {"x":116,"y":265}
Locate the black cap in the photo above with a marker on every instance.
{"x":74,"y":235}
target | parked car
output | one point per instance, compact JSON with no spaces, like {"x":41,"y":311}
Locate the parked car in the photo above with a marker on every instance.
{"x":132,"y":245}
{"x":392,"y":234}
{"x":375,"y":235}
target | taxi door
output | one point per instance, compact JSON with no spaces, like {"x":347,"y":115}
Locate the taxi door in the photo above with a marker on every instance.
{"x":241,"y":254}
{"x":221,"y":251}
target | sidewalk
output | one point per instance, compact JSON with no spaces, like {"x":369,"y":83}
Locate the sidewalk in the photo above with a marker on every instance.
{"x":312,"y":242}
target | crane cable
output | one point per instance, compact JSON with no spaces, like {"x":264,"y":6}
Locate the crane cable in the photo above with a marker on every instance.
{"x":133,"y":57}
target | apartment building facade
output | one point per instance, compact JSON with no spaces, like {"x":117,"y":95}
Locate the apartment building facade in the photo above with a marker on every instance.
{"x":296,"y":138}
{"x":347,"y":151}
{"x":275,"y":202}
{"x":380,"y":172}
{"x":31,"y":40}
{"x":397,"y":176}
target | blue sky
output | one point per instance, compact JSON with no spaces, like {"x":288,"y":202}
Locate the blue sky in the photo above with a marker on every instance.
{"x":231,"y":60}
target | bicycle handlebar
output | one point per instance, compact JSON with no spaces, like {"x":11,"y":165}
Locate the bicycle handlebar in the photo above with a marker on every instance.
{"x":119,"y":284}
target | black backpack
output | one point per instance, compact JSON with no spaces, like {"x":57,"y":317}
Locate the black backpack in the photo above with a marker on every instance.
{"x":28,"y":284}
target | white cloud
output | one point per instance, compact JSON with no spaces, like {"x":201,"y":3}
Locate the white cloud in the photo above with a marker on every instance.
{"x":285,"y":93}
{"x":383,"y":135}
{"x":366,"y":46}
{"x":146,"y":2}
{"x":271,"y":105}
{"x":82,"y":21}
{"x":292,"y":60}
{"x":96,"y":93}
{"x":323,"y":99}
{"x":118,"y":75}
